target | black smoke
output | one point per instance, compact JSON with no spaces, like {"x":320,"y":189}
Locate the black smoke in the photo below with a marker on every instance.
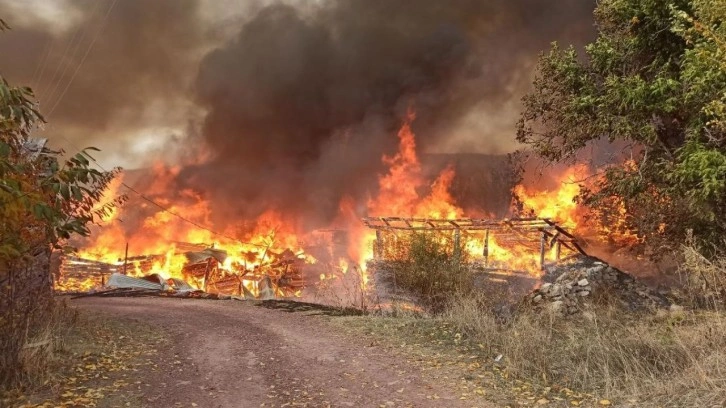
{"x":296,"y":106}
{"x":305,"y":100}
{"x":102,"y":69}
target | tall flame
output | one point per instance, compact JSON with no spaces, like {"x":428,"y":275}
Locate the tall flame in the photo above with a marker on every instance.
{"x":399,"y":188}
{"x":556,"y":204}
{"x":403,"y":191}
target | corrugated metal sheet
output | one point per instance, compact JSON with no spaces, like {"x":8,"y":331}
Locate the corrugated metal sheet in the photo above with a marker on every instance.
{"x":182,"y":286}
{"x":118,"y":280}
{"x":196,"y":257}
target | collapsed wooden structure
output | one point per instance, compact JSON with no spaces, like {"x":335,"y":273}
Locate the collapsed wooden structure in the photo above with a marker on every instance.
{"x":87,"y":270}
{"x":280,"y":275}
{"x":538,"y":234}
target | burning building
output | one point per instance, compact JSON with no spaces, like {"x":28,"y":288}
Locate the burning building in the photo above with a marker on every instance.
{"x":269,"y":130}
{"x":272,"y":256}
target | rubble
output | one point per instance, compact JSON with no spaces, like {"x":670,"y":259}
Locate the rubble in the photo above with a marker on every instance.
{"x":203,"y":272}
{"x":567,"y":287}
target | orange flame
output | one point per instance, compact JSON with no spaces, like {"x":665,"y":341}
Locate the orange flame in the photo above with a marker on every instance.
{"x":557,"y":204}
{"x":403,"y":191}
{"x":399,"y":188}
{"x":399,"y":195}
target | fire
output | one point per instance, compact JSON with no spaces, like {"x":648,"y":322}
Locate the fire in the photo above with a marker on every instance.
{"x":557,"y":204}
{"x":399,"y":188}
{"x":399,"y":195}
{"x":159,"y":245}
{"x":261,"y":253}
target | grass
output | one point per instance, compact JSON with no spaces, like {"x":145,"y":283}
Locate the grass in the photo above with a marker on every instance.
{"x":661,"y":359}
{"x":87,"y":362}
{"x":666,"y":360}
{"x":656,"y":359}
{"x":704,"y":280}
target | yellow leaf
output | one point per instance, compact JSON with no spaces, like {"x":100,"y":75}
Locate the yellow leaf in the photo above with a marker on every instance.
{"x":604,"y":402}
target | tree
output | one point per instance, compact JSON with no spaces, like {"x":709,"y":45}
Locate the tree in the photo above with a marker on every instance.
{"x":43,"y":202}
{"x":654,"y":79}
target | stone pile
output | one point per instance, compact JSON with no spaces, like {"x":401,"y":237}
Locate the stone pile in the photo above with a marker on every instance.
{"x":569,"y":287}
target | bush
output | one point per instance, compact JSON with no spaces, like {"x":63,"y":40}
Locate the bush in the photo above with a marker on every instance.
{"x":433,"y":268}
{"x":43,"y":202}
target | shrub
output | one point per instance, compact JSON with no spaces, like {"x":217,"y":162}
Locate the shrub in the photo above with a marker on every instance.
{"x":433,"y":267}
{"x":43,"y":202}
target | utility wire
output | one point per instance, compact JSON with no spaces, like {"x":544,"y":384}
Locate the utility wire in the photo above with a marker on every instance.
{"x":48,"y":90}
{"x":53,"y":85}
{"x":80,"y":64}
{"x":166,"y":209}
{"x":40,"y":68}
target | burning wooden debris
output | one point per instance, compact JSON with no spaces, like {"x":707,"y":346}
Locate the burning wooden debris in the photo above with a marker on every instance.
{"x":206,"y":270}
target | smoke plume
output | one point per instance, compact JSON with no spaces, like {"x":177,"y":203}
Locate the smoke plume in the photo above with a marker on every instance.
{"x":113,"y":74}
{"x":303,"y":102}
{"x":292,"y":104}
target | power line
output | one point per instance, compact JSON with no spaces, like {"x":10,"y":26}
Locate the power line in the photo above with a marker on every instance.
{"x":40,"y":68}
{"x":50,"y":89}
{"x":53,"y":87}
{"x":166,"y":209}
{"x":88,"y":50}
{"x":186,"y":219}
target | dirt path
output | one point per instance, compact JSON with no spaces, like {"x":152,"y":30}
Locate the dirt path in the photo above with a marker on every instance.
{"x":236,"y":354}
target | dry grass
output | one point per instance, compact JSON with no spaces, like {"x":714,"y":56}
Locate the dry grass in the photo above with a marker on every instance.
{"x":41,"y":349}
{"x":657,"y":359}
{"x":41,"y":340}
{"x":346,"y":290}
{"x":704,"y":279}
{"x":665,"y":359}
{"x":41,"y":352}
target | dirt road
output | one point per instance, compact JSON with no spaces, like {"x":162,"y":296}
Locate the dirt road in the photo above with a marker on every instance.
{"x":236,"y":354}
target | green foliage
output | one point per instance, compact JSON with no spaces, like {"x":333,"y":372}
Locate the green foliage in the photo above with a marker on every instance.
{"x":434,"y":268}
{"x":44,"y":200}
{"x":655,"y":79}
{"x":41,"y":201}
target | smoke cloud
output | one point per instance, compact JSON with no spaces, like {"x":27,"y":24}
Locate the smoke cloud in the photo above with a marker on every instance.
{"x":114,"y":77}
{"x":303,"y":102}
{"x":292,"y":104}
